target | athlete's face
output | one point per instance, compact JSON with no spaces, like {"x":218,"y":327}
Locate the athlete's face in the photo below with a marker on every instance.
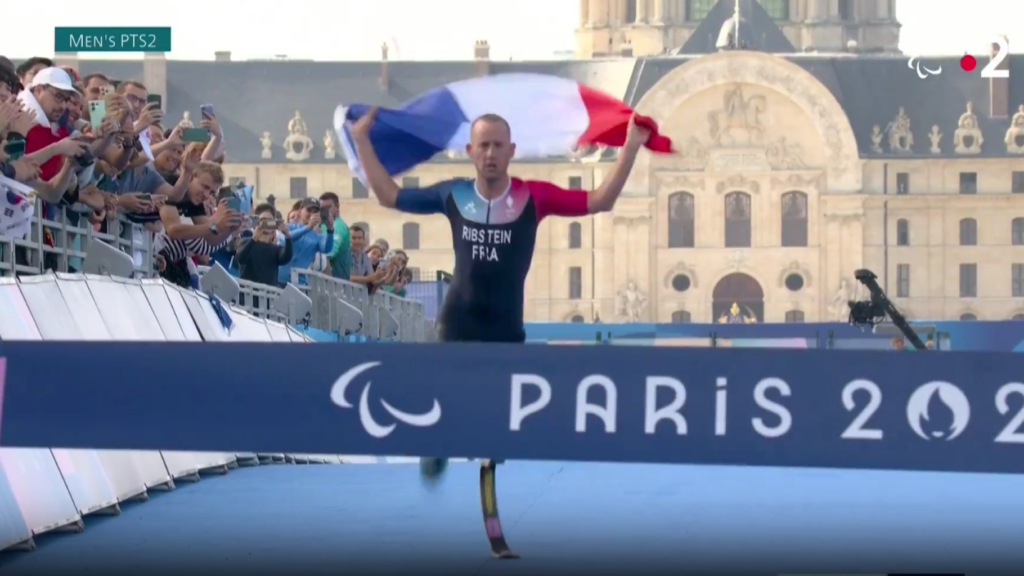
{"x":491,"y":148}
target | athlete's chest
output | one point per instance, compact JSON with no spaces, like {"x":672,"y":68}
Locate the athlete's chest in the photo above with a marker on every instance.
{"x":492,"y":231}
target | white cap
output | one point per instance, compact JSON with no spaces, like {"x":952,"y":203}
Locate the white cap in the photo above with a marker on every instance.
{"x":54,"y":77}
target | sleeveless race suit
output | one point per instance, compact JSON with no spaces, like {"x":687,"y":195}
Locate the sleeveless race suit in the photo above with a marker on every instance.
{"x":493,"y":243}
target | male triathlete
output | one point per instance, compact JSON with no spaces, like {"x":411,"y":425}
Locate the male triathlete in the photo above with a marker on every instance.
{"x":494,"y":221}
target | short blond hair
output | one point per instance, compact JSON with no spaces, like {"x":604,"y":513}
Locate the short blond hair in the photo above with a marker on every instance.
{"x":126,"y":83}
{"x":213,"y":169}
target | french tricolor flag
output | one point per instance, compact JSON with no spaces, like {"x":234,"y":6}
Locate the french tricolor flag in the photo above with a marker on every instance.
{"x":549,"y":116}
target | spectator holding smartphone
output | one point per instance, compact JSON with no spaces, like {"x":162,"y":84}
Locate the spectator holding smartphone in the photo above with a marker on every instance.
{"x":340,"y":255}
{"x":260,"y":257}
{"x":307,"y":240}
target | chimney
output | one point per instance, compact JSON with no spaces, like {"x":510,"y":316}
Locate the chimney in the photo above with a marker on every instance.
{"x":223,"y":56}
{"x":999,"y":88}
{"x":384,"y":82}
{"x":482,"y":57}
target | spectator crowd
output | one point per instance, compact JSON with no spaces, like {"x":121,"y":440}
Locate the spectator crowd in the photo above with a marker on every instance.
{"x":94,"y":152}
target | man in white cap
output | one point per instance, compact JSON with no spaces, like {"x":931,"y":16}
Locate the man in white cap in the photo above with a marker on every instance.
{"x":47,"y":97}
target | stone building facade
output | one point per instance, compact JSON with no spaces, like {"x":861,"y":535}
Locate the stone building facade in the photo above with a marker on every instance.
{"x":793,"y":170}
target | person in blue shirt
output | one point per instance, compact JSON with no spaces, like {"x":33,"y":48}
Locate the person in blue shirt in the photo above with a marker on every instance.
{"x":307,"y":240}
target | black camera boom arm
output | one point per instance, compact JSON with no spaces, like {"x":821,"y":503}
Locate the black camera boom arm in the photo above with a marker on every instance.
{"x":867,"y":278}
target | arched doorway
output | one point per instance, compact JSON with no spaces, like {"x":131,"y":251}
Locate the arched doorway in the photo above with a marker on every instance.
{"x":738,"y":299}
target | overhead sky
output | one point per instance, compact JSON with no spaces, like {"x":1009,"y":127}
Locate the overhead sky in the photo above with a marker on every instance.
{"x":429,"y":29}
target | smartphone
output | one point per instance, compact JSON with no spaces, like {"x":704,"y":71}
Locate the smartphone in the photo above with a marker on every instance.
{"x":195,"y":135}
{"x":107,"y":90}
{"x":268,"y":224}
{"x":146,"y":197}
{"x":97,"y":111}
{"x":206,"y":110}
{"x":225,"y":193}
{"x":234,"y":204}
{"x":325,"y":215}
{"x":155,"y":99}
{"x":14,"y":148}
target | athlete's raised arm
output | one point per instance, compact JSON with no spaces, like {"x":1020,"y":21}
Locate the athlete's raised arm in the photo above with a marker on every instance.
{"x":383,"y":186}
{"x":603,"y":198}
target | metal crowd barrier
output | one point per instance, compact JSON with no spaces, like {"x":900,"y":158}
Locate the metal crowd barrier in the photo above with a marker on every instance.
{"x":71,"y":234}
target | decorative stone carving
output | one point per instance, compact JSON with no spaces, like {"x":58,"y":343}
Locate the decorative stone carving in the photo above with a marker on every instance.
{"x":737,"y":259}
{"x":967,"y":138}
{"x":782,"y":155}
{"x":901,"y":139}
{"x":795,"y":268}
{"x":185,"y":121}
{"x":738,"y":123}
{"x":876,"y":139}
{"x":631,"y":302}
{"x":935,"y":136}
{"x":329,"y":143}
{"x":692,"y":156}
{"x":674,"y":182}
{"x":839,"y":306}
{"x":267,"y":143}
{"x":738,"y":181}
{"x":298,"y":144}
{"x":796,"y":182}
{"x":680,"y":268}
{"x":767,"y":70}
{"x":1015,"y":133}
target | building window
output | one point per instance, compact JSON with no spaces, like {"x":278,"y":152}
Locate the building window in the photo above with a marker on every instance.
{"x":681,"y":229}
{"x":577,"y":319}
{"x":968,"y":280}
{"x":1017,"y":231}
{"x":902,"y":232}
{"x":575,"y":235}
{"x":795,"y":317}
{"x":794,"y":219}
{"x":680,"y":282}
{"x":697,"y":10}
{"x":902,"y":183}
{"x":737,"y":220}
{"x":680,"y":317}
{"x":359,"y":189}
{"x":968,"y":232}
{"x":631,"y":11}
{"x":846,"y":10}
{"x":575,"y":183}
{"x":968,"y":182}
{"x":575,"y":283}
{"x":1017,"y":280}
{"x":903,"y":280}
{"x":411,"y":236}
{"x":410,"y":182}
{"x":967,"y":317}
{"x":1017,"y":183}
{"x":366,"y":231}
{"x":794,"y":282}
{"x":777,"y":9}
{"x":297,"y":188}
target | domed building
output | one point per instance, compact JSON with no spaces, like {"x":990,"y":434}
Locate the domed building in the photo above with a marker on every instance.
{"x":807,"y":149}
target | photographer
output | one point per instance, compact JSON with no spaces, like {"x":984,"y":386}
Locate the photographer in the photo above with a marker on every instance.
{"x":307,"y":240}
{"x":260,"y":257}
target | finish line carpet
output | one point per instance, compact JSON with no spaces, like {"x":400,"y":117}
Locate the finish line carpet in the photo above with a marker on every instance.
{"x":562,"y":517}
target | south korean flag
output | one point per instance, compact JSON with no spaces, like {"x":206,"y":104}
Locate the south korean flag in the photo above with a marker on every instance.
{"x":17,"y":207}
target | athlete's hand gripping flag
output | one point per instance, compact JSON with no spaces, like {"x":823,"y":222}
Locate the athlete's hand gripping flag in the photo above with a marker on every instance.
{"x":548,"y":115}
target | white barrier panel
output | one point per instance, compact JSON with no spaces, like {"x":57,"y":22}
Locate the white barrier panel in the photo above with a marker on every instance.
{"x":33,"y":498}
{"x":128,"y":316}
{"x":13,"y":530}
{"x":164,"y":303}
{"x":203,"y":318}
{"x":82,"y":470}
{"x":278,"y":331}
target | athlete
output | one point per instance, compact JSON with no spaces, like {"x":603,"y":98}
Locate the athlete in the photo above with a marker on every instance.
{"x":494,"y":220}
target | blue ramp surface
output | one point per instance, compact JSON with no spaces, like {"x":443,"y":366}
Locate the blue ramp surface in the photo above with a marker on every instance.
{"x":563,"y":518}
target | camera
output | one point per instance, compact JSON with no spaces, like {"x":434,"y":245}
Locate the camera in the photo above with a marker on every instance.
{"x":871,"y":312}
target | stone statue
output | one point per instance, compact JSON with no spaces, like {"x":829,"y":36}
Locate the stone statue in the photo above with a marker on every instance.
{"x":839,"y":306}
{"x":901,"y":139}
{"x":739,"y":121}
{"x":935,"y":136}
{"x":631,"y":302}
{"x":185,"y":121}
{"x":876,"y":139}
{"x":329,"y":152}
{"x":267,"y":143}
{"x":297,"y":145}
{"x":967,"y":138}
{"x":736,"y":315}
{"x":1015,"y":133}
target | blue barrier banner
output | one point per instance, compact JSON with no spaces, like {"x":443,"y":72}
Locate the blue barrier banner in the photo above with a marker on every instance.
{"x":804,"y":408}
